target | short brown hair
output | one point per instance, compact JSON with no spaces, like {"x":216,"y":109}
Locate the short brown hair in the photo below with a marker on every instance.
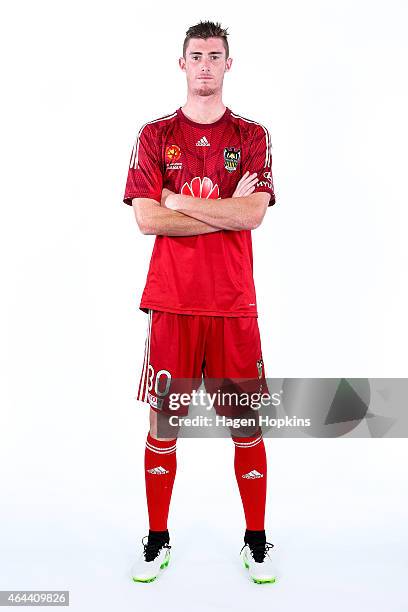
{"x":207,"y":29}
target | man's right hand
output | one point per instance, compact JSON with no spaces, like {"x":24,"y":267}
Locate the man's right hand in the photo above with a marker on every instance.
{"x":165,"y":193}
{"x":246,"y":185}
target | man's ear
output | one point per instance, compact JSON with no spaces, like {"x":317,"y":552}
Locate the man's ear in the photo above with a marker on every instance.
{"x":228,"y":64}
{"x":182,"y":63}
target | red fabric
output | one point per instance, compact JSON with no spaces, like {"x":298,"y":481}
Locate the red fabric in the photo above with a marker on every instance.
{"x":160,"y":471}
{"x":180,"y":347}
{"x":209,"y":274}
{"x":251,"y":473}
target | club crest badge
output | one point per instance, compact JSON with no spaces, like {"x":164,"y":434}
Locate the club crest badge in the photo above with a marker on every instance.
{"x":231,"y":158}
{"x":259,"y":365}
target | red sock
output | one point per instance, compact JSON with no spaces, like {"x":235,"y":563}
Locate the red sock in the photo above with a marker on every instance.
{"x":250,"y":471}
{"x":160,"y":471}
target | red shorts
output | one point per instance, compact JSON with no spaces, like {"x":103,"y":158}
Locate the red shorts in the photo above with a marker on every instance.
{"x":181,"y":350}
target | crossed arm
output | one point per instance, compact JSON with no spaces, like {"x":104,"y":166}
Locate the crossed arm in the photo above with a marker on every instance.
{"x":180,"y":215}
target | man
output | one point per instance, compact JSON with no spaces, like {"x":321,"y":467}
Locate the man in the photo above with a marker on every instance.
{"x":200,"y":179}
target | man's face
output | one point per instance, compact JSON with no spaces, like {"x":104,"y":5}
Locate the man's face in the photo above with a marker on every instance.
{"x":205,"y":66}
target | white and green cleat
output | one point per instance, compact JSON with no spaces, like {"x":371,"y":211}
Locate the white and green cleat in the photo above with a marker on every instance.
{"x":258,"y":562}
{"x":153,"y":560}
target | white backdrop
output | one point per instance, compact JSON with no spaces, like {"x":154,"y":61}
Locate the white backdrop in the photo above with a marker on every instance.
{"x":79,"y":79}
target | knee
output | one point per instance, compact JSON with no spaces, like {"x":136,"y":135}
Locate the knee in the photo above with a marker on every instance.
{"x":160,"y":428}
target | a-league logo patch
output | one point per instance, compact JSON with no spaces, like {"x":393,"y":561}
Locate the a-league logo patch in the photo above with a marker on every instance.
{"x":231,"y":158}
{"x":173,"y":153}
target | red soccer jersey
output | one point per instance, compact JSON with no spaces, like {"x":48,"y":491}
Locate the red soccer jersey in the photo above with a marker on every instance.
{"x":208,"y":274}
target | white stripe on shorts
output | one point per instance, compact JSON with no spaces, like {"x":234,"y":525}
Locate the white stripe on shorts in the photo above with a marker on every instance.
{"x":142,"y":392}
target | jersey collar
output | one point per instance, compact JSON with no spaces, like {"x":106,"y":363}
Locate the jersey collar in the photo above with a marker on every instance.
{"x":186,"y":119}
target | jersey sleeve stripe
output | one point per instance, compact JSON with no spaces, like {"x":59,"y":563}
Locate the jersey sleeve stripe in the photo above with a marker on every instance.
{"x":268,"y":153}
{"x":134,"y":159}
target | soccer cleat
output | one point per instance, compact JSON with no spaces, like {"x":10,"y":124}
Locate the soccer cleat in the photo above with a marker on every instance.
{"x":154,"y":558}
{"x":258,"y":562}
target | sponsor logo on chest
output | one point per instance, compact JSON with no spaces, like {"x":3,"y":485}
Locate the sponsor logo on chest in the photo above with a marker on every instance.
{"x":203,"y":142}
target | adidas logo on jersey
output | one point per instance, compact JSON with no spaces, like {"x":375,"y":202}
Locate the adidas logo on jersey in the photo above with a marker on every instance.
{"x":252,"y":474}
{"x":158,"y":470}
{"x":203,"y":142}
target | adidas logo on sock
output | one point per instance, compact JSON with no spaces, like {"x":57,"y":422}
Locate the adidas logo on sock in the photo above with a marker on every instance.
{"x":203,"y":142}
{"x":158,"y":470}
{"x":252,"y":474}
